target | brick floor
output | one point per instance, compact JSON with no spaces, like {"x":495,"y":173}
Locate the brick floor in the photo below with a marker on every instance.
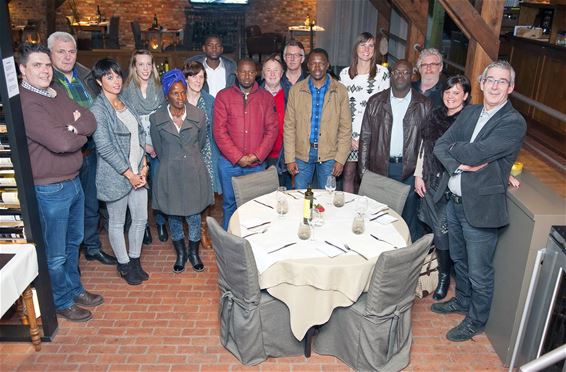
{"x":170,"y":323}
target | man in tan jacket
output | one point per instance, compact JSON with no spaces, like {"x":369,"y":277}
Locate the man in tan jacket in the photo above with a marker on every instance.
{"x":318,"y":125}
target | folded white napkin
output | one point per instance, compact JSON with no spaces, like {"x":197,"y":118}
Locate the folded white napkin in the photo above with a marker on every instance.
{"x":386,"y":219}
{"x":329,"y":250}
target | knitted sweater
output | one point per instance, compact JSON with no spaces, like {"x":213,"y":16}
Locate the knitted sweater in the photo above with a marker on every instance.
{"x":54,"y":151}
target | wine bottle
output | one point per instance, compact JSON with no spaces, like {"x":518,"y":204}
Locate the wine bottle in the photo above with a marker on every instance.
{"x":98,"y":14}
{"x":166,"y":65}
{"x":308,"y":205}
{"x":155,"y":24}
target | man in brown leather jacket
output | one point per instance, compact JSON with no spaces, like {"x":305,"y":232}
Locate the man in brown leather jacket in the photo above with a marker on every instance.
{"x":389,"y":140}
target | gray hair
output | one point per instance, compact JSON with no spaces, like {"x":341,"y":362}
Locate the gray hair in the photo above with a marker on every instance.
{"x":60,"y":36}
{"x":429,"y":52}
{"x":504,"y":65}
{"x":294,"y":43}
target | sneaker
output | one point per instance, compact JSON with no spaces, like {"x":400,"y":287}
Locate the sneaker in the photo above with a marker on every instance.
{"x":88,"y":299}
{"x":449,"y":307}
{"x":463,"y":331}
{"x":75,"y":314}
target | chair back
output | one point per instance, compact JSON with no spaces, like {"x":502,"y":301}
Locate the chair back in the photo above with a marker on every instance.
{"x":237,"y":270}
{"x":136,"y":30}
{"x":395,"y":277}
{"x":114,"y":33}
{"x":253,"y":30}
{"x":384,"y":190}
{"x":252,"y":185}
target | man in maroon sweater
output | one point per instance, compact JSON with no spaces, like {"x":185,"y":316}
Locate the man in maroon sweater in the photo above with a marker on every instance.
{"x":56,"y":129}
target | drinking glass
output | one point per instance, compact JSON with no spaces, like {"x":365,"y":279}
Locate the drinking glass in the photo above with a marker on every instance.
{"x":304,"y":231}
{"x":362,"y":205}
{"x":282,"y":206}
{"x":339,"y":199}
{"x":330,"y":185}
{"x":317,"y":217}
{"x":358,"y":224}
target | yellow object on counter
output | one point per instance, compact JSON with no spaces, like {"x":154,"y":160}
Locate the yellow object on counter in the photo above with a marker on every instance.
{"x":517,"y":169}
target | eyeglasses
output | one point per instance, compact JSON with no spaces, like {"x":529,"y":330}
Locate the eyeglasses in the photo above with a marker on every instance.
{"x":398,"y":73}
{"x":495,"y":82}
{"x":425,"y":65}
{"x":293,"y":55}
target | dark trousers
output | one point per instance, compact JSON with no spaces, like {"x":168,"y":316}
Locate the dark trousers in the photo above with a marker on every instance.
{"x":472,"y":250}
{"x":410,"y":211}
{"x":87,"y":176}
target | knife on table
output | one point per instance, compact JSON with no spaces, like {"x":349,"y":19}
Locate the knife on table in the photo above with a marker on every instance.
{"x":265,"y":205}
{"x":280,"y":248}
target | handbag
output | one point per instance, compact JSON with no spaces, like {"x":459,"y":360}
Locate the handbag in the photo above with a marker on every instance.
{"x":428,"y":278}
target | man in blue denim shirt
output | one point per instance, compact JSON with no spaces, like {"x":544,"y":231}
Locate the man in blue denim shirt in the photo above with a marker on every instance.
{"x":74,"y":79}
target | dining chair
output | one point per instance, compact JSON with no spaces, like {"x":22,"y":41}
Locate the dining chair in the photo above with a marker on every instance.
{"x":253,"y":324}
{"x":136,"y":31}
{"x":384,"y":190}
{"x":252,"y":185}
{"x":111,"y":40}
{"x":375,"y":333}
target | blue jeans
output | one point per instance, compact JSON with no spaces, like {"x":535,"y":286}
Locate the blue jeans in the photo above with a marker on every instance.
{"x":176,"y":227}
{"x":87,"y":177}
{"x":61,"y":212}
{"x":307,"y":170}
{"x":472,"y":250}
{"x":153,"y":167}
{"x":227,"y":171}
{"x":411,"y":209}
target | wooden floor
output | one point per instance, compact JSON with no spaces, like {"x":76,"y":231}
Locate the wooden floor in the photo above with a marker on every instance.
{"x":170,"y":323}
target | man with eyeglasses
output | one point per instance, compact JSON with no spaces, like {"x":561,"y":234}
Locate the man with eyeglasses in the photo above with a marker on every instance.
{"x":477,"y":152}
{"x":389,"y":139}
{"x":294,"y":56}
{"x":79,"y":84}
{"x":431,"y":84}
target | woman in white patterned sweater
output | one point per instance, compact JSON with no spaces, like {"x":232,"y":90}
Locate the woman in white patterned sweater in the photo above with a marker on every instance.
{"x":363,"y":78}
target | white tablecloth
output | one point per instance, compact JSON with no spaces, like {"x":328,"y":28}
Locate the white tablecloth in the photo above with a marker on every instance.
{"x":303,"y":275}
{"x":17,"y":274}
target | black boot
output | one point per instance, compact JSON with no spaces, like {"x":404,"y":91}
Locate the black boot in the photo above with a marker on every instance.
{"x":147,"y":235}
{"x":127,"y":272}
{"x":444,"y":268}
{"x":194,"y":257}
{"x":136,"y":266}
{"x":179,"y":265}
{"x":162,"y":233}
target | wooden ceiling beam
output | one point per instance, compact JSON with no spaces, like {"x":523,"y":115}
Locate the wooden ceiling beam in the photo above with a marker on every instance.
{"x":483,"y":28}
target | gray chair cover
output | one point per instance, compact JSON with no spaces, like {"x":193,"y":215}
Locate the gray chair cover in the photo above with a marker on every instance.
{"x":251,"y":186}
{"x":253,"y":324}
{"x":384,"y":190}
{"x":375,"y":333}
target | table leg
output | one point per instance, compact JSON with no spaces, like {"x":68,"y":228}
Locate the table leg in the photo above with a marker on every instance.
{"x":32,"y":320}
{"x":308,"y":341}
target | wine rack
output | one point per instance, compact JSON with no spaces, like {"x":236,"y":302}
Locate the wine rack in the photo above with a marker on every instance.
{"x":19,"y":219}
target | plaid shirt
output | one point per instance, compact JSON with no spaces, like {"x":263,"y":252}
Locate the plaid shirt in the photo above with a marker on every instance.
{"x":74,"y":88}
{"x":317,"y":103}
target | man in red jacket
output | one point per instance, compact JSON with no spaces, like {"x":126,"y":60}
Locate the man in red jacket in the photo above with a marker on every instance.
{"x":245,"y":129}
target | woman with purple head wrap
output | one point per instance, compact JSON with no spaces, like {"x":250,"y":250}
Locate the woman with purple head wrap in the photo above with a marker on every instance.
{"x":182,"y":188}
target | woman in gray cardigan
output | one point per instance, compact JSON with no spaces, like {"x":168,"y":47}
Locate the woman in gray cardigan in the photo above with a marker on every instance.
{"x":182,"y":189}
{"x":122,"y":170}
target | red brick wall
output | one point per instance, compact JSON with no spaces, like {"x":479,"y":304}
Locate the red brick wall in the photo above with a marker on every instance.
{"x":270,"y":15}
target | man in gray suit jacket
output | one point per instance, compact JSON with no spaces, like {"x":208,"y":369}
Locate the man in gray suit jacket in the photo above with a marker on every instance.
{"x":478,"y":151}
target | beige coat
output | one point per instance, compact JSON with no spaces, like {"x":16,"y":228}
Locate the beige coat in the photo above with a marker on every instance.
{"x":335,"y":139}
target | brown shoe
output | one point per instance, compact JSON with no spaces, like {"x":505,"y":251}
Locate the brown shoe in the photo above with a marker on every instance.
{"x":88,"y":299}
{"x":75,"y":314}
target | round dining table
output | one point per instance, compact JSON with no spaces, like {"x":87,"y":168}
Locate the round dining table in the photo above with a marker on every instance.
{"x":313,"y":277}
